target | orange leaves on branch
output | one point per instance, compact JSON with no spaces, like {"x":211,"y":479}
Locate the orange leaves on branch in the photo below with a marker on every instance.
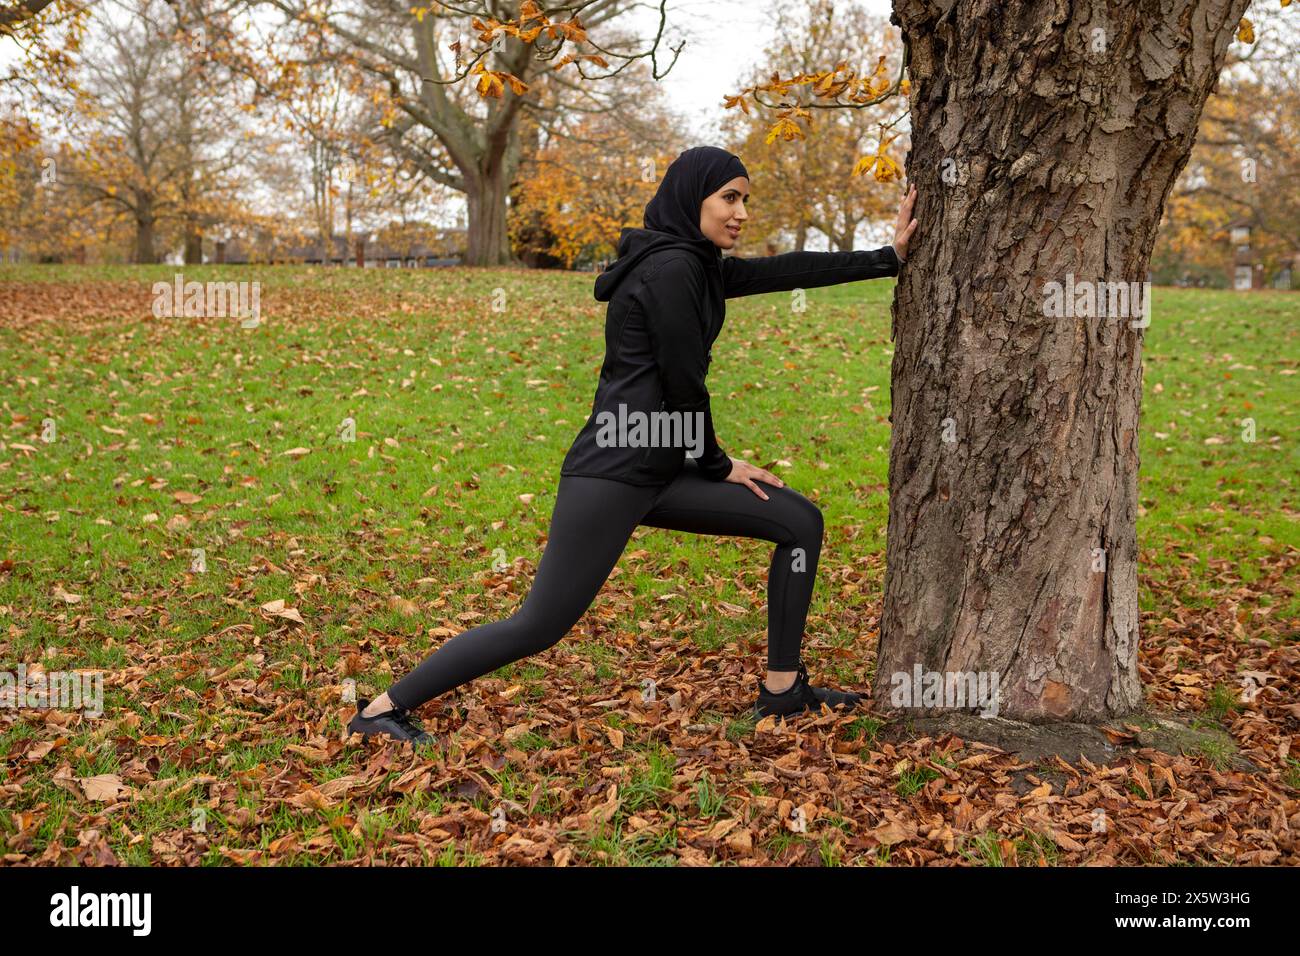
{"x":571,"y":29}
{"x":877,"y":84}
{"x":1246,"y":30}
{"x":575,"y":57}
{"x":881,"y":164}
{"x":786,"y":127}
{"x":593,"y":57}
{"x":825,"y":85}
{"x":736,"y":101}
{"x":828,"y":84}
{"x":488,"y":31}
{"x":492,"y":82}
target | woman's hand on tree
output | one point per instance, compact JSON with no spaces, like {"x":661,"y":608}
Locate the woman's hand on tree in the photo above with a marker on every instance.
{"x":905,"y":225}
{"x":743,"y":473}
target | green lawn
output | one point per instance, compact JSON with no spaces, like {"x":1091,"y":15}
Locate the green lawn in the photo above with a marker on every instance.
{"x":466,"y":387}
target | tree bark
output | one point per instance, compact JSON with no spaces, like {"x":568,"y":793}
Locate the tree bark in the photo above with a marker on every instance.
{"x":193,"y":241}
{"x":17,"y":12}
{"x":144,"y":232}
{"x":487,"y":240}
{"x":1012,"y":546}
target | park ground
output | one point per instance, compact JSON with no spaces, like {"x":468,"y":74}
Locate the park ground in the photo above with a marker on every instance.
{"x":330,"y":566}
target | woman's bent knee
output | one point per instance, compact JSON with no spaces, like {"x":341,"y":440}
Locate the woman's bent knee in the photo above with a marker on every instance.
{"x":534,"y":633}
{"x":805,"y":520}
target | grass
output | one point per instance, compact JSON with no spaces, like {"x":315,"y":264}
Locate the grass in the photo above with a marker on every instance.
{"x":462,"y":416}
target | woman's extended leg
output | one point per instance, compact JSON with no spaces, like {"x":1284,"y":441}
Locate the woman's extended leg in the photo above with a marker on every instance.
{"x":696,"y":504}
{"x":590,"y":525}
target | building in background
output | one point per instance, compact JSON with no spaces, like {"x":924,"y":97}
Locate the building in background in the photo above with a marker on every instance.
{"x":363,"y":251}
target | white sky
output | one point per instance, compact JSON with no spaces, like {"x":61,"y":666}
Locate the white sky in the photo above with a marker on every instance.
{"x":728,"y":37}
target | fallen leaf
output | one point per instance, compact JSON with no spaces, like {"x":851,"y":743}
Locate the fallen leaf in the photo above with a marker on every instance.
{"x":105,"y":787}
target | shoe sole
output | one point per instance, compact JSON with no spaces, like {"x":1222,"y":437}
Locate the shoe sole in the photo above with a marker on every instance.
{"x":419,"y":742}
{"x":755,"y":714}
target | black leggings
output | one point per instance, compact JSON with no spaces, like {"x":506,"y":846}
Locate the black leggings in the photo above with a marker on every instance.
{"x":591,"y":524}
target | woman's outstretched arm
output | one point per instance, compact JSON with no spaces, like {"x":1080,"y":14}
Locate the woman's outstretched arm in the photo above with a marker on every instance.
{"x":804,"y":270}
{"x":808,"y":270}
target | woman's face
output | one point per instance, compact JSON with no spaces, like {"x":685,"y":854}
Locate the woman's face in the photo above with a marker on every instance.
{"x":723,"y":213}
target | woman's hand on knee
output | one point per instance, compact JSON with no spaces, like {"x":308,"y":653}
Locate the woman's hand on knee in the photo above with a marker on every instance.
{"x":743,"y":473}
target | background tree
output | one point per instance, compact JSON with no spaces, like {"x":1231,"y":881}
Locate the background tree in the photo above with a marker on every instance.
{"x":806,"y":186}
{"x":39,"y":42}
{"x":591,"y":175}
{"x":41,"y":219}
{"x":451,"y":101}
{"x":156,"y":140}
{"x":1246,"y":162}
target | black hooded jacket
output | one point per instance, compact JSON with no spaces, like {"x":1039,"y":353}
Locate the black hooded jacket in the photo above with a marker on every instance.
{"x":666,"y":307}
{"x":666,"y":295}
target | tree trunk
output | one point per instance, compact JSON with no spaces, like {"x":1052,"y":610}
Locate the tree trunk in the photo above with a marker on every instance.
{"x":193,"y":243}
{"x":144,"y":227}
{"x":1046,"y":138}
{"x":487,"y":242}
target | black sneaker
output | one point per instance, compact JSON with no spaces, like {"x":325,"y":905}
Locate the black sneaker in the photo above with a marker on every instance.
{"x":395,"y":723}
{"x":801,"y":696}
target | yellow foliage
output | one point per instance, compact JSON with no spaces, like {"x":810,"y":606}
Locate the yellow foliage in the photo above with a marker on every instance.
{"x":731,"y":101}
{"x":785,"y":129}
{"x":883,"y":167}
{"x":492,"y":82}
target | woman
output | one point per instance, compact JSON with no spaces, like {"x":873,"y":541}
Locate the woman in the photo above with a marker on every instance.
{"x":666,"y":296}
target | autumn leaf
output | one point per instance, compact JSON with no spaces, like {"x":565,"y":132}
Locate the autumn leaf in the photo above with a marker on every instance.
{"x":890,"y":833}
{"x":65,"y":597}
{"x":403,"y":606}
{"x":277,"y":608}
{"x":105,"y":787}
{"x":785,"y":129}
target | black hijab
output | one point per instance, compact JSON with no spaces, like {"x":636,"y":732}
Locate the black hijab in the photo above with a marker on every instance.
{"x":672,"y":217}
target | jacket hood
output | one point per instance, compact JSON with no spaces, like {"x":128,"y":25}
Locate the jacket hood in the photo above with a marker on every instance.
{"x":635,"y":244}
